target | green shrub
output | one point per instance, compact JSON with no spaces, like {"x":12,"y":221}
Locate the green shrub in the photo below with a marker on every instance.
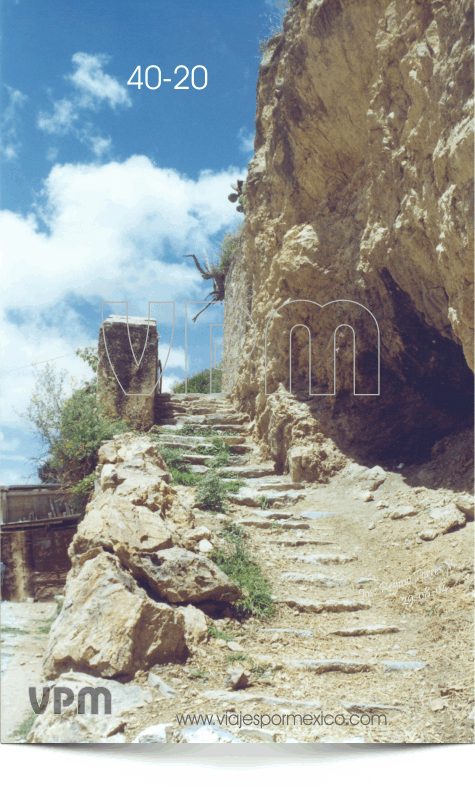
{"x":199,"y":383}
{"x":82,"y":490}
{"x":211,"y":493}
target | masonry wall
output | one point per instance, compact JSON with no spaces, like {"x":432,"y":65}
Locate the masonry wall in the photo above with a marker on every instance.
{"x":36,"y":561}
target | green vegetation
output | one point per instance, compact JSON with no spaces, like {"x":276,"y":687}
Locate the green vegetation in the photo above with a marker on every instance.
{"x":5,"y":629}
{"x":71,"y":424}
{"x":235,"y":562}
{"x":25,"y":727}
{"x":199,"y":673}
{"x":236,"y":657}
{"x":179,"y":469}
{"x":82,"y":490}
{"x":264,"y":502}
{"x":211,"y":493}
{"x":199,"y":383}
{"x":217,"y":634}
{"x":260,"y":669}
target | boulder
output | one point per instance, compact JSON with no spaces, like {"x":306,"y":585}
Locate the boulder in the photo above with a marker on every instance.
{"x":238,"y":678}
{"x":116,"y":520}
{"x":464,"y":502}
{"x":196,"y":627}
{"x":208,"y":733}
{"x":109,"y":627}
{"x":447,"y":517}
{"x":179,"y":575}
{"x":157,"y":733}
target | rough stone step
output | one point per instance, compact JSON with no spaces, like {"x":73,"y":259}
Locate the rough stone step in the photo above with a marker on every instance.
{"x":241,"y":697}
{"x":277,"y":485}
{"x":182,"y":443}
{"x":262,"y":523}
{"x":318,"y":579}
{"x":232,"y":441}
{"x":196,"y":459}
{"x":323,"y":559}
{"x":238,"y":428}
{"x":301,"y":542}
{"x":246,"y":471}
{"x":321,"y":665}
{"x":365,"y":630}
{"x":227,"y":419}
{"x":306,"y":605}
{"x":305,"y":633}
{"x":402,"y":666}
{"x":315,"y":514}
{"x":365,"y":707}
{"x":250,"y":497}
{"x":242,"y":449}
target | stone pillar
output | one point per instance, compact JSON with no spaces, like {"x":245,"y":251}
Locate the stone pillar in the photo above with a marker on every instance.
{"x":130,"y":393}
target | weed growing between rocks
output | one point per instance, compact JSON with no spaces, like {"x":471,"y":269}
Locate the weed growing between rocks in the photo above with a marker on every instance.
{"x":235,"y":562}
{"x":217,"y":634}
{"x":180,"y":470}
{"x":211,"y":493}
{"x":25,"y":727}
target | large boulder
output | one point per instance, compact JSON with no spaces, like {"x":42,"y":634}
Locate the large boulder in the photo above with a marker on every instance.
{"x":116,"y":520}
{"x":180,"y":576}
{"x":109,"y":627}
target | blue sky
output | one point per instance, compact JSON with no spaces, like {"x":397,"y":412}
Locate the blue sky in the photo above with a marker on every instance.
{"x":105,"y":186}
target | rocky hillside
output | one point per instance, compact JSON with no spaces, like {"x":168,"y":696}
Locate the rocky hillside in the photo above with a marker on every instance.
{"x":361,"y":189}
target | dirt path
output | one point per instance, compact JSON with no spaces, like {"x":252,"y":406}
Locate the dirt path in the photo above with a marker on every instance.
{"x":22,"y":647}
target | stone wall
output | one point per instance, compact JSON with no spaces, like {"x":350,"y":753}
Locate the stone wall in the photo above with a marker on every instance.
{"x":127,"y":389}
{"x":36,"y":561}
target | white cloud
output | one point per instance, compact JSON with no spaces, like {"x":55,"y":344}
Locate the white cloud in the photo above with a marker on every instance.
{"x":246,"y":140}
{"x":93,"y":85}
{"x":10,"y":145}
{"x":114,"y":231}
{"x":92,"y":89}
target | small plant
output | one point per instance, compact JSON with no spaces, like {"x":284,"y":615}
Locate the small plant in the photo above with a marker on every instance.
{"x":211,"y":493}
{"x":264,"y":502}
{"x":236,"y":657}
{"x":233,"y":532}
{"x":6,"y":629}
{"x":179,"y":468}
{"x":199,"y":673}
{"x":260,"y":669}
{"x":217,"y":634}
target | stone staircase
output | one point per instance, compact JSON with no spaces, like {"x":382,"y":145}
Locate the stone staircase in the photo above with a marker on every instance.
{"x":308,"y":540}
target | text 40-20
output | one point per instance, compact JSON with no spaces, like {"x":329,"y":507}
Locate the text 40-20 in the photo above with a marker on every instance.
{"x":153,"y":78}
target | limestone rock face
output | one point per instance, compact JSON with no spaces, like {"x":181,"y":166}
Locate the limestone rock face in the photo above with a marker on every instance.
{"x":360,"y":190}
{"x":127,"y":370}
{"x":109,"y":627}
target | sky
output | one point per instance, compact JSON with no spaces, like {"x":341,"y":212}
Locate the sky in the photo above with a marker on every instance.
{"x":107,"y":185}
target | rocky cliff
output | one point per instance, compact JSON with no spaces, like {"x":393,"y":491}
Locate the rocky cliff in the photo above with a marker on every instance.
{"x":360,"y":190}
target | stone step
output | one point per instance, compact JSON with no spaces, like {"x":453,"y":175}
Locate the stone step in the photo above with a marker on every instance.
{"x":365,"y":630}
{"x":242,"y":449}
{"x":303,"y":632}
{"x":196,"y":458}
{"x":238,"y":428}
{"x":306,"y":605}
{"x":232,"y":441}
{"x":323,"y":559}
{"x":241,"y":697}
{"x":245,"y":471}
{"x":250,"y":497}
{"x":182,"y":443}
{"x":321,"y":665}
{"x":277,"y":486}
{"x":318,"y":579}
{"x":301,"y":542}
{"x":225,"y":419}
{"x":262,"y":523}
